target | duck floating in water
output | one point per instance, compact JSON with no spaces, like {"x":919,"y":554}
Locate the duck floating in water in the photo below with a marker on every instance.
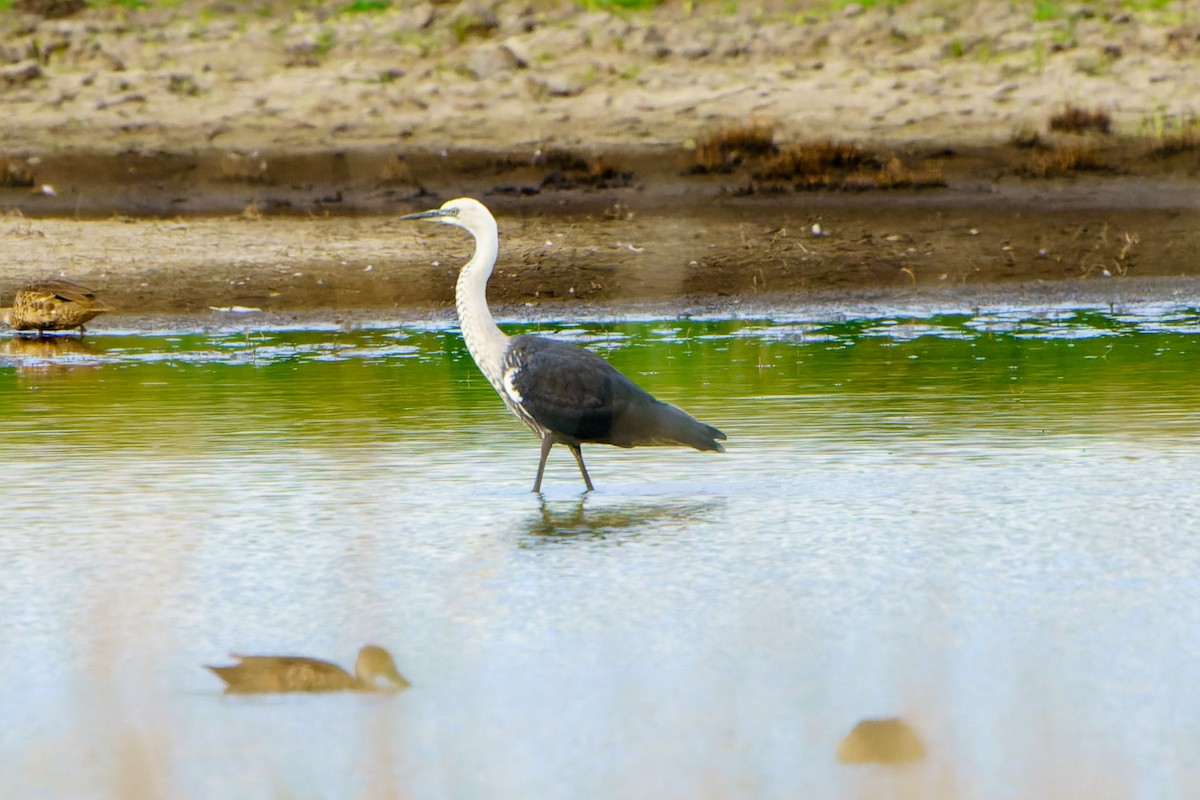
{"x":53,"y":305}
{"x":374,"y":671}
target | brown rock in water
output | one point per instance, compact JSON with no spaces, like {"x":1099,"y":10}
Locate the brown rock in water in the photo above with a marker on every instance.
{"x":881,"y":741}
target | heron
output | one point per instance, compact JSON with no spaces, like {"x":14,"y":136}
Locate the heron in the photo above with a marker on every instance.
{"x":374,"y":671}
{"x":52,"y":305}
{"x":564,"y":393}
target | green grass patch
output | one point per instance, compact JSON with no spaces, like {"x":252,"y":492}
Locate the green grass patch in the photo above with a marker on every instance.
{"x":1147,"y":5}
{"x":326,"y":40}
{"x":366,"y":6}
{"x":624,"y":4}
{"x":1047,"y":11}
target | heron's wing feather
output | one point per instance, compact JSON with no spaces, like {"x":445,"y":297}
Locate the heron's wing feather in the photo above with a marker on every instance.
{"x":576,"y":394}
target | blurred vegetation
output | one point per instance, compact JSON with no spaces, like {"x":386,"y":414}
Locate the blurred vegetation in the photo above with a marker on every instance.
{"x":1040,"y":11}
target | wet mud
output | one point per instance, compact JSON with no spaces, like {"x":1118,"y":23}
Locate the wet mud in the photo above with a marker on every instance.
{"x":176,"y":175}
{"x":319,"y":230}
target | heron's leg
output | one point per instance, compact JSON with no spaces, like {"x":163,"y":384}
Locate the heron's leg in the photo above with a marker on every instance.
{"x":575,"y":451}
{"x":547,"y":443}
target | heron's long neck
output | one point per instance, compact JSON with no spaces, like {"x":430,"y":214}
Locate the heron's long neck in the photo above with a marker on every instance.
{"x":484,"y":339}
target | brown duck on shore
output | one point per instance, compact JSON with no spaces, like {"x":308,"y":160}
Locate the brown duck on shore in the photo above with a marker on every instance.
{"x":53,"y":305}
{"x":374,"y":671}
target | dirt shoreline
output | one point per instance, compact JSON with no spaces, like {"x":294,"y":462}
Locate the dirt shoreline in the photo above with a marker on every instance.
{"x":706,"y":256}
{"x":175,"y":173}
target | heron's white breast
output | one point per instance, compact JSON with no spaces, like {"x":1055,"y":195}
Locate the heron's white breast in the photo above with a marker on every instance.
{"x":510,"y":389}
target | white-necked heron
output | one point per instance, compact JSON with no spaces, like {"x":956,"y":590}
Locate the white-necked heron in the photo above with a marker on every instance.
{"x":564,"y":393}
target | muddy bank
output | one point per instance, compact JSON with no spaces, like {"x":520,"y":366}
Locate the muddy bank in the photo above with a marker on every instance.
{"x":492,"y":74}
{"x":1055,"y":173}
{"x":295,"y":231}
{"x":621,"y":253}
{"x":195,"y":156}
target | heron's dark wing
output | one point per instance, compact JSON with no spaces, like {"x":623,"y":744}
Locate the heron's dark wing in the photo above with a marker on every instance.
{"x":576,"y":394}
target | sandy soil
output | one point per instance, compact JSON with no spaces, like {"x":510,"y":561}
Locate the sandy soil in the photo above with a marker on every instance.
{"x":253,"y":155}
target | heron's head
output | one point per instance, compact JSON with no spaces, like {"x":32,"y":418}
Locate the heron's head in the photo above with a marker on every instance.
{"x":464,"y":212}
{"x":375,"y":665}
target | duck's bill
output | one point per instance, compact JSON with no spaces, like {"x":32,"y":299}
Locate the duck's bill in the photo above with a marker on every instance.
{"x":392,"y":681}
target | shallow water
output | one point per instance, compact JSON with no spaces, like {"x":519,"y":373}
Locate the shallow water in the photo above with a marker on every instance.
{"x":982,"y":522}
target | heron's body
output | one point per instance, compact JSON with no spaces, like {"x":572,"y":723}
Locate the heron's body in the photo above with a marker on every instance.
{"x":564,"y":393}
{"x":53,"y":305}
{"x":256,"y":674}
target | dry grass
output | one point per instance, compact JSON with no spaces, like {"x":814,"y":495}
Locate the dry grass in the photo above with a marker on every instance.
{"x":726,"y":149}
{"x":395,"y":172}
{"x":1173,"y":145}
{"x":810,"y":163}
{"x":560,"y":158}
{"x":1173,"y":142}
{"x":1026,"y":138}
{"x":894,"y":175}
{"x":603,"y":175}
{"x":568,"y":170}
{"x":15,"y":173}
{"x":1073,"y":119}
{"x":808,"y":166}
{"x":1066,"y":160}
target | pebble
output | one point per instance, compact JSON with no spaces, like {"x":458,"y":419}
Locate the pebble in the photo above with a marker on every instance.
{"x":20,"y":73}
{"x":493,"y":61}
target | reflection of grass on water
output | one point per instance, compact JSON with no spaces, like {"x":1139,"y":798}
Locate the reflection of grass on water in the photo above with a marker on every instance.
{"x":326,"y":389}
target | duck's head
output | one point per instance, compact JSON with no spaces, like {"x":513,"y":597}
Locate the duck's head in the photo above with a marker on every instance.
{"x":376,"y":669}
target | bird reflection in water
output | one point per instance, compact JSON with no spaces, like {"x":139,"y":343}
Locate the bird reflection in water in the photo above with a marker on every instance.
{"x":881,"y":741}
{"x":46,"y":353}
{"x":573,"y":521}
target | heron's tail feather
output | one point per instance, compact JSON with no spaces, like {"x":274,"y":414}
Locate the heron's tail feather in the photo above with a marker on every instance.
{"x":664,"y":424}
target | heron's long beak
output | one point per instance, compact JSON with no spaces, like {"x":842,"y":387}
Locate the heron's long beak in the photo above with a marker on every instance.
{"x":436,"y":212}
